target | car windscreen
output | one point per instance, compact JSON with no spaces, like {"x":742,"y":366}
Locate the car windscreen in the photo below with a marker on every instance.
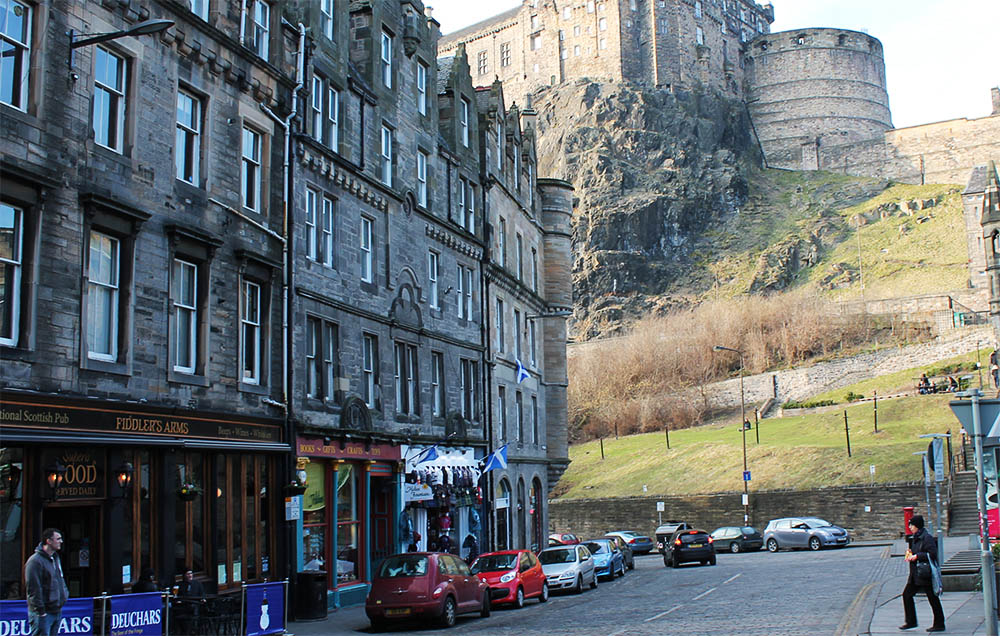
{"x":815,"y":522}
{"x":597,"y":547}
{"x":548,"y":557}
{"x":403,"y":565}
{"x":494,"y":563}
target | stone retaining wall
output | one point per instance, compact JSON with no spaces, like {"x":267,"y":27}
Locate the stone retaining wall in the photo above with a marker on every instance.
{"x":868,"y":512}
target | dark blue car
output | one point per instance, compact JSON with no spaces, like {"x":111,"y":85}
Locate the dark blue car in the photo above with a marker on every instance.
{"x":609,"y":561}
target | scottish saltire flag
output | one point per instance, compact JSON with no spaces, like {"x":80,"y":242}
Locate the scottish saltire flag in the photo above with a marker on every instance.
{"x":426,"y":455}
{"x":496,"y":459}
{"x":522,"y":375}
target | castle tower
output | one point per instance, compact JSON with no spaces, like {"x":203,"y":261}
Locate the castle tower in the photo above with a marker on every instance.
{"x":557,"y":211}
{"x":815,"y":88}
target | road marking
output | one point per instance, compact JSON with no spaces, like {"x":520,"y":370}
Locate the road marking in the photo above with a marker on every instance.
{"x":662,"y":614}
{"x":732,"y":578}
{"x":704,"y":594}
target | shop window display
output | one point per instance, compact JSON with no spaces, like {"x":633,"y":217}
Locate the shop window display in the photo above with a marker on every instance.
{"x":314,"y":518}
{"x":448,"y":519}
{"x":347,"y":525}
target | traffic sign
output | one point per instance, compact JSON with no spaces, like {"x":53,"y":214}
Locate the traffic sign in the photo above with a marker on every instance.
{"x":659,"y":506}
{"x":989,"y":416}
{"x":746,"y":475}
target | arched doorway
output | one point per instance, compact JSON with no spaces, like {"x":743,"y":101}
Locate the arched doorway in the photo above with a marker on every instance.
{"x":535,"y":514}
{"x":522,"y":509}
{"x":503,"y":515}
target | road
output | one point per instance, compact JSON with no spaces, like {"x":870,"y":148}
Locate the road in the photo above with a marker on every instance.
{"x":788,"y":593}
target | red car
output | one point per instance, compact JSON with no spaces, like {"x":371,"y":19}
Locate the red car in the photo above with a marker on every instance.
{"x":563,"y":538}
{"x":425,"y":585}
{"x":513,"y":575}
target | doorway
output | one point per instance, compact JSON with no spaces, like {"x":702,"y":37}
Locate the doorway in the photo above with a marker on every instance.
{"x":81,"y":551}
{"x":381,"y":519}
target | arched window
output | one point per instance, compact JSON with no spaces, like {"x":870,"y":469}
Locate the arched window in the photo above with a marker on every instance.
{"x":503,"y":502}
{"x":522,"y":509}
{"x":995,"y":242}
{"x":535,"y":502}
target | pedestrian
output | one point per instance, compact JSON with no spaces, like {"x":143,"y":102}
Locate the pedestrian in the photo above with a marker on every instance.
{"x":45,"y":585}
{"x":923,"y":549}
{"x":994,"y":368}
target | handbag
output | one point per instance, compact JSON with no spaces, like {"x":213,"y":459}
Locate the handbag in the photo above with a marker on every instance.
{"x":937,"y":585}
{"x":923,"y":574}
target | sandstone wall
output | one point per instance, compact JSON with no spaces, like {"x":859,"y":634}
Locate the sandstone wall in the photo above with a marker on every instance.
{"x":867,"y":512}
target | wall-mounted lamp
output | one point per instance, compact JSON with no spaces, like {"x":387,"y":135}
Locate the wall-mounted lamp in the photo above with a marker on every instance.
{"x":123,"y":475}
{"x":54,"y":475}
{"x":11,"y":475}
{"x":142,"y":28}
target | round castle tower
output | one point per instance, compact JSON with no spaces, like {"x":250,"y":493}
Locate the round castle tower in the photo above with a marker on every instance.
{"x":811,"y":88}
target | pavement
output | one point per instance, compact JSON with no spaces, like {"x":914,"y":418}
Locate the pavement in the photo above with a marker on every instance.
{"x":881,"y":600}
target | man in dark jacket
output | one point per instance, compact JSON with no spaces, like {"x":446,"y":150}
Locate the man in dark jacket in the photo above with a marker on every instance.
{"x":46,"y":588}
{"x":923,"y":548}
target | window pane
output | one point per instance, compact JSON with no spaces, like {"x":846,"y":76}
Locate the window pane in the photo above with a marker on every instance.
{"x":347,"y":552}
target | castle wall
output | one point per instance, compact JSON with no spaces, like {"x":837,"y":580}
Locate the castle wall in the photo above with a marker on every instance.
{"x":813,"y":88}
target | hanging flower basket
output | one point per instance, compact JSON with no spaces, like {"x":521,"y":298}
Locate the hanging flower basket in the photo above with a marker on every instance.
{"x":295,"y":488}
{"x":188,"y":492}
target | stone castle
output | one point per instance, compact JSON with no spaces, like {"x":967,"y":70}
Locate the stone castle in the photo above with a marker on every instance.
{"x":817,"y":97}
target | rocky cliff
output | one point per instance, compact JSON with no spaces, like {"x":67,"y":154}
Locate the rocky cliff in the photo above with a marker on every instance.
{"x":669,"y":183}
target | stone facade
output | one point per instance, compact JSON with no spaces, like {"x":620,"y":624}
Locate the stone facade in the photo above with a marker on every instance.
{"x":867,"y":512}
{"x":982,"y":199}
{"x":663,"y":43}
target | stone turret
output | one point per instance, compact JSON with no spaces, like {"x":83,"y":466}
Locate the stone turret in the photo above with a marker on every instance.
{"x":557,"y":211}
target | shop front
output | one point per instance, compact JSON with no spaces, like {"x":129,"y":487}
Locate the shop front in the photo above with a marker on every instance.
{"x":134,"y":487}
{"x":348,"y":511}
{"x":442,"y":501}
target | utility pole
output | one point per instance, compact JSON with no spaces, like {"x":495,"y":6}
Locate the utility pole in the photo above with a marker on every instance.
{"x":847,"y":432}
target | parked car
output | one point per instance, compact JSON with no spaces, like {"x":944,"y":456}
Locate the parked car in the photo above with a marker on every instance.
{"x":626,"y":550}
{"x":608,"y":559}
{"x":568,"y":566}
{"x":513,"y":575}
{"x":667,"y":530}
{"x":803,"y":532}
{"x":687,"y":546}
{"x":563,"y":538}
{"x":737,"y":539}
{"x":640,"y":544}
{"x":425,"y":585}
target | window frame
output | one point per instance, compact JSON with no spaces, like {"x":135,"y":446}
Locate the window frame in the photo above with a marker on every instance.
{"x":192,"y":135}
{"x":15,"y":263}
{"x":252,"y":169}
{"x":327,"y":222}
{"x":421,"y":82}
{"x":517,"y":334}
{"x":312,"y":234}
{"x":386,"y":156}
{"x":500,"y":325}
{"x":113,"y":287}
{"x":191,"y":308}
{"x":260,"y":32}
{"x":254,"y":323}
{"x":519,"y":249}
{"x":463,"y":120}
{"x":406,"y":378}
{"x":422,"y":158}
{"x":367,"y":238}
{"x":519,"y":404}
{"x":386,"y":58}
{"x":115,"y":104}
{"x":437,"y":383}
{"x":369,"y":370}
{"x":502,"y":412}
{"x":534,"y":420}
{"x":22,"y":60}
{"x":326,"y":18}
{"x":532,"y":342}
{"x":433,"y":275}
{"x":502,"y":242}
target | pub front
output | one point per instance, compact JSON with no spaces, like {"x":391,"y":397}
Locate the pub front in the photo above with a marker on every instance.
{"x":133,"y":487}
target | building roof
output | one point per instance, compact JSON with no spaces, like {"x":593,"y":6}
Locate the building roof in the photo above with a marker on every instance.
{"x":979,"y":179}
{"x":450,"y":39}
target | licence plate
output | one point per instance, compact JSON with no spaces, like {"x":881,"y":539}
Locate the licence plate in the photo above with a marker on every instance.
{"x":403,"y":611}
{"x":695,"y":545}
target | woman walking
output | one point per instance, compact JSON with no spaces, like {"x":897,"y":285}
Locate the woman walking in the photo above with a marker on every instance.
{"x":923,"y":549}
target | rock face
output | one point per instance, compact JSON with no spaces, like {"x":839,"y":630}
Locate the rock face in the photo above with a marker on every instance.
{"x":653,"y":170}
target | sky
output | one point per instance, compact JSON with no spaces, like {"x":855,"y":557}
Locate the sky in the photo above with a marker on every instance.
{"x":941,"y":56}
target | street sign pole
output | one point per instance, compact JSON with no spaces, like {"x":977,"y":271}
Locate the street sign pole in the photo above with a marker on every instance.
{"x":986,"y":559}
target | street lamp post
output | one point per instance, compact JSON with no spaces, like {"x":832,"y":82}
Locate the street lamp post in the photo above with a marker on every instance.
{"x":743,"y":430}
{"x":146,"y":27}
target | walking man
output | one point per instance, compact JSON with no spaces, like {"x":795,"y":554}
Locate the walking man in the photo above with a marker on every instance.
{"x":43,"y":580}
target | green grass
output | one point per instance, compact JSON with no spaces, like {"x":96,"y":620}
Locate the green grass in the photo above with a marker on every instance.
{"x":800,"y":452}
{"x":906,"y":380}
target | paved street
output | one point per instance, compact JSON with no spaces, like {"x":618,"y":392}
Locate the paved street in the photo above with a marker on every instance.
{"x":764,"y":594}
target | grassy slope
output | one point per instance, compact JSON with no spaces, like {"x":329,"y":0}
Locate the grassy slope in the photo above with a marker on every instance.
{"x":795,"y":452}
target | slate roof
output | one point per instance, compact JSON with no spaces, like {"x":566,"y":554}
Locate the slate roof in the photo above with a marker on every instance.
{"x":449,"y":39}
{"x":979,"y":179}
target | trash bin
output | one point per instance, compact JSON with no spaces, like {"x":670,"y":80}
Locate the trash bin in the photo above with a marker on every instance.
{"x":310,"y":597}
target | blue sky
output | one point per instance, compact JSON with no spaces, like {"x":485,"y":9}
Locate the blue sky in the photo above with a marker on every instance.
{"x":941,"y":56}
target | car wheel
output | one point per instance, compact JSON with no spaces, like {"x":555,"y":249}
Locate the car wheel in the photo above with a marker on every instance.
{"x":545,"y":593}
{"x":378,"y":625}
{"x":712,"y":560}
{"x":578,"y":588}
{"x":448,"y":613}
{"x":666,"y":561}
{"x":519,"y":598}
{"x":621,"y":572}
{"x":815,"y":544}
{"x":772,"y":545}
{"x":631,"y":564}
{"x":675,"y":562}
{"x":486,"y":609}
{"x":593,"y":582}
{"x":734,"y":547}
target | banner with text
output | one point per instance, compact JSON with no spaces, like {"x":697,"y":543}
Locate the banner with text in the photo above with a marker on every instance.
{"x":265,"y":609}
{"x":77,"y":617}
{"x":137,"y":614}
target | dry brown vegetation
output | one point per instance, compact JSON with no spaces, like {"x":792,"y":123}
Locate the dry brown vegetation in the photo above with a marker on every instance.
{"x":635,"y":382}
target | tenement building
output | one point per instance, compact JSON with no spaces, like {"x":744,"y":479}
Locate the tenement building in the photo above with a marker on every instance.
{"x":248,"y":284}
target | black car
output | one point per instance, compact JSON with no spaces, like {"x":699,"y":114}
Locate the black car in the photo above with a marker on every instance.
{"x":737,"y":539}
{"x":688,"y":546}
{"x":667,"y":530}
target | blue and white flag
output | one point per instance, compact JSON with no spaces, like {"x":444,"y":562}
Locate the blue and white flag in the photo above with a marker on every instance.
{"x":496,"y":459}
{"x":522,"y":374}
{"x":428,"y":454}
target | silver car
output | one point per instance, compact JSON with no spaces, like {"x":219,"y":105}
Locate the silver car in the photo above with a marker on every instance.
{"x":803,"y":532}
{"x":568,"y":567}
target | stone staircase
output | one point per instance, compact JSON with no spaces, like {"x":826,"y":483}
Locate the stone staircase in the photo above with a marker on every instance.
{"x":963,"y":514}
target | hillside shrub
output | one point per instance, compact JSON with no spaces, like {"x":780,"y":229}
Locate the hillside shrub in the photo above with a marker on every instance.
{"x":794,"y":404}
{"x":853,"y":397}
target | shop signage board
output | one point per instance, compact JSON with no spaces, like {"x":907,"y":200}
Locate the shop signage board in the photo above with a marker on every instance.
{"x":417,"y":492}
{"x":265,"y":603}
{"x":502,"y":502}
{"x":316,"y":447}
{"x":137,"y":614}
{"x":293,"y":508}
{"x":85,"y":470}
{"x":77,"y":617}
{"x":49,"y":414}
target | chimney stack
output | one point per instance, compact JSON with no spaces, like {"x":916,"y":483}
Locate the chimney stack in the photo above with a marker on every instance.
{"x":995,"y":93}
